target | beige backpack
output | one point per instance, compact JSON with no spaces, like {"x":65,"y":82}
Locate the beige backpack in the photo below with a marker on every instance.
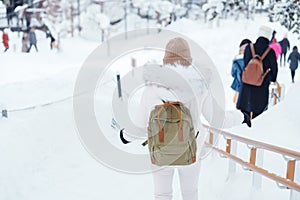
{"x":171,"y":135}
{"x":254,"y":73}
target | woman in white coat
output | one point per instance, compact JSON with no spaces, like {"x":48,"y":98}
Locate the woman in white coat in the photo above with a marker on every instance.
{"x":178,"y":59}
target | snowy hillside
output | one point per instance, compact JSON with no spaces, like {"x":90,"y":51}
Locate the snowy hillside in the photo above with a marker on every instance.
{"x":41,"y":154}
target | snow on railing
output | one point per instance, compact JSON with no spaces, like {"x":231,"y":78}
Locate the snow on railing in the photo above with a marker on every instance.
{"x":290,"y":181}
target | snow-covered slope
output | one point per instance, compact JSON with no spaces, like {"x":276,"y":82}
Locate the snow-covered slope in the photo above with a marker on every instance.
{"x":40,"y":152}
{"x":279,"y":125}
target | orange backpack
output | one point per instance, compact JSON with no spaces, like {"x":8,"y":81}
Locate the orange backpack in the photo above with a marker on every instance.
{"x":254,"y":73}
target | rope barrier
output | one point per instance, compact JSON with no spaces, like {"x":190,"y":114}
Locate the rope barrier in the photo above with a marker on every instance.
{"x":6,"y":111}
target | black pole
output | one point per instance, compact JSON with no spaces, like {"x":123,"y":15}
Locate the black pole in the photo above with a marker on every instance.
{"x":119,"y":86}
{"x":4,"y":113}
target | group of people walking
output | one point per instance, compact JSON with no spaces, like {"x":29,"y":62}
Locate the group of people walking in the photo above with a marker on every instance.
{"x":251,"y":100}
{"x":281,"y":48}
{"x":254,"y":99}
{"x":29,"y":40}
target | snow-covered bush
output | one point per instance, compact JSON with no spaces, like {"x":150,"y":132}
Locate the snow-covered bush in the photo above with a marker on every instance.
{"x":3,"y":21}
{"x":288,"y":14}
{"x":94,"y":23}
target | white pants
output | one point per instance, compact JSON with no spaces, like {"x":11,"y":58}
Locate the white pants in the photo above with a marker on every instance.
{"x":188,"y":177}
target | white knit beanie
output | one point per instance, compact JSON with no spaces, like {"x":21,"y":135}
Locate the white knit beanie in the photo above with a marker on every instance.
{"x":265,"y":31}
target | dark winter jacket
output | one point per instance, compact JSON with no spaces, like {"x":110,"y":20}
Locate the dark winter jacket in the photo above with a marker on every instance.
{"x":285,"y":45}
{"x":294,"y":58}
{"x":255,"y":98}
{"x":32,"y":37}
{"x":236,"y":72}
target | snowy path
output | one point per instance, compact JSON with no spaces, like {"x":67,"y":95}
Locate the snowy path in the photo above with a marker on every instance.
{"x":42,"y":154}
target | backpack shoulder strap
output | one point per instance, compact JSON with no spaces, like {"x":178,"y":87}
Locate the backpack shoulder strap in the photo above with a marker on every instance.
{"x":265,"y":53}
{"x":252,"y":50}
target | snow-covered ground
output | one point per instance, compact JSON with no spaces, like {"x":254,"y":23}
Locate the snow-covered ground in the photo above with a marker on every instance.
{"x":40,"y":152}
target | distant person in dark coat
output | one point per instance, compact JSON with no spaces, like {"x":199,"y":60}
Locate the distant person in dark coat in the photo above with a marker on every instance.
{"x":32,"y":39}
{"x":285,"y":47}
{"x":254,"y":99}
{"x":294,"y":58}
{"x":273,"y":36}
{"x":237,"y":68}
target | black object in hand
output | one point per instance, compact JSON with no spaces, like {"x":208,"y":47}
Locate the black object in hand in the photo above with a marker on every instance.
{"x":122,"y":137}
{"x":247,"y":119}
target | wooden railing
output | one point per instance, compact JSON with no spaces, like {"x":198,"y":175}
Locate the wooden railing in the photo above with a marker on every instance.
{"x":290,"y":155}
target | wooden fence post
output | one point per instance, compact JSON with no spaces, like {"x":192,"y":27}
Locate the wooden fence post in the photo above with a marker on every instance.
{"x":212,"y":141}
{"x":295,"y":195}
{"x":259,"y":161}
{"x":290,"y":172}
{"x":232,"y":164}
{"x":253,"y":156}
{"x":211,"y":138}
{"x":228,"y":145}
